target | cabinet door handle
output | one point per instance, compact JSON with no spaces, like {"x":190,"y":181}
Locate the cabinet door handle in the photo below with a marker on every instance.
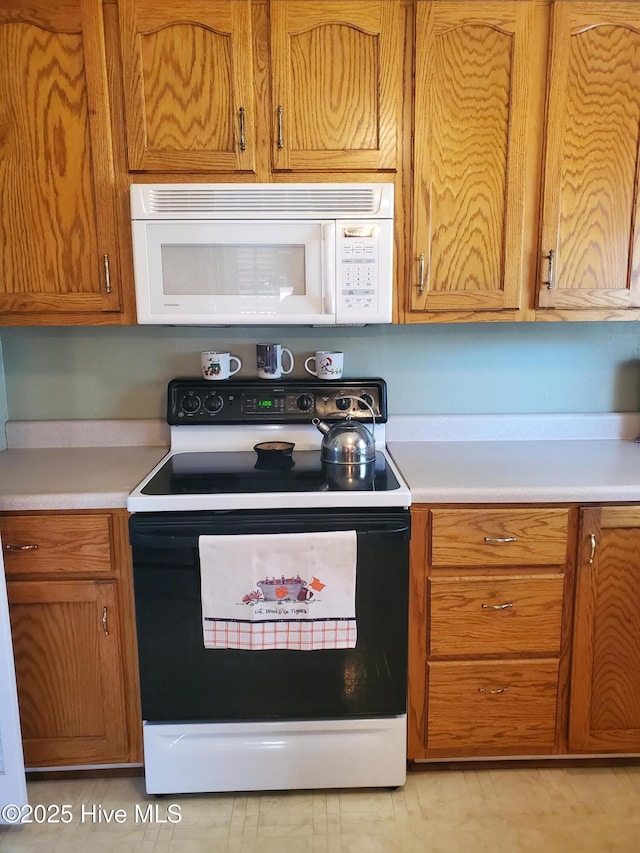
{"x":105,"y":626}
{"x":243,"y":142}
{"x":497,"y":540}
{"x":550,"y":259}
{"x":107,"y":274}
{"x":10,"y":547}
{"x":493,"y":692}
{"x":280,"y":131}
{"x":592,"y":555}
{"x":504,"y":606}
{"x":421,"y":273}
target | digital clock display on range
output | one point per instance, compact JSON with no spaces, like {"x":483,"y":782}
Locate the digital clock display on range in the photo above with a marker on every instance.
{"x":258,"y":404}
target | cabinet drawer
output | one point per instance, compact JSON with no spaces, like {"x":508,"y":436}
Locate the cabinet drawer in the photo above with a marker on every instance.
{"x":498,"y":537}
{"x":496,"y":615}
{"x":56,"y":544}
{"x":518,"y":716}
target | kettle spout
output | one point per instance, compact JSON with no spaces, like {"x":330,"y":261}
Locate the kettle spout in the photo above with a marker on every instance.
{"x":322,"y":426}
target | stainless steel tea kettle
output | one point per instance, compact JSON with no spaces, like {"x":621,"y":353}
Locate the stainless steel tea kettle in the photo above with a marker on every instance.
{"x":346,"y":443}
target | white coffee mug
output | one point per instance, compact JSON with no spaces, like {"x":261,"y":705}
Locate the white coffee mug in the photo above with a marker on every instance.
{"x":269,"y":358}
{"x":217,"y":365}
{"x":326,"y":364}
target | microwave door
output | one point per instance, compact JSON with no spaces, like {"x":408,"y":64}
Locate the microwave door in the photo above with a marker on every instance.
{"x":239,"y":272}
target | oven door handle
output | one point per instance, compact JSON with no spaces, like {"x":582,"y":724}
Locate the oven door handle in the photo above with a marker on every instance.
{"x":164,"y":540}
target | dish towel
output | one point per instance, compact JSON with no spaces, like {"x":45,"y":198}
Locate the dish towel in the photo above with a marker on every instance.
{"x":279,"y":591}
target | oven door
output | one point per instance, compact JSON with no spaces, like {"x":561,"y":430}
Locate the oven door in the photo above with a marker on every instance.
{"x":245,"y":271}
{"x":183,"y":681}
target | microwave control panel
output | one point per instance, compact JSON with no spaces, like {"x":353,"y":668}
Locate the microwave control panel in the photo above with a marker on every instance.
{"x":364,"y":271}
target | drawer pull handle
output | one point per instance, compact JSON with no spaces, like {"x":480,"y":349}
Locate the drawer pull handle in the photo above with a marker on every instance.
{"x":243,"y":141}
{"x":21,"y":547}
{"x":592,"y":555}
{"x":504,"y":606}
{"x":493,"y":692}
{"x":496,"y":540}
{"x":105,"y":627}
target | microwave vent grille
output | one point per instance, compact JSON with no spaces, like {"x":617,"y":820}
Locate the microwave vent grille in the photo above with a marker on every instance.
{"x":274,"y":200}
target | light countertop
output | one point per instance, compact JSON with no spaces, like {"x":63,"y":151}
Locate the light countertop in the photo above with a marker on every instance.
{"x":519,"y":459}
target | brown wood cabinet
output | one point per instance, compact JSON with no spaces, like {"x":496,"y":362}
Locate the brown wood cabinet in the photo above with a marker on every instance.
{"x":334,"y":71}
{"x":58,"y":245}
{"x":590,"y":216}
{"x":472,"y":100}
{"x":489,"y":630}
{"x":605,"y":682}
{"x":70,"y":604}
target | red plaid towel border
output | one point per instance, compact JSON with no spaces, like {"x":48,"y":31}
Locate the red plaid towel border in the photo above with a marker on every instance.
{"x":302,"y":636}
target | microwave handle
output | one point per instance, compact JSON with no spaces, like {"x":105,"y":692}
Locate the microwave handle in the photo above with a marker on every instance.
{"x":329,"y":264}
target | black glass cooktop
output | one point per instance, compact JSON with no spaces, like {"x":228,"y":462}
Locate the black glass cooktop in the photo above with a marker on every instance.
{"x":240,"y":472}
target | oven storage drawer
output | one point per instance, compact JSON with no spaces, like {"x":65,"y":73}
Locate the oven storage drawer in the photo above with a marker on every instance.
{"x":495,"y":615}
{"x":499,"y":537}
{"x":485,"y":707}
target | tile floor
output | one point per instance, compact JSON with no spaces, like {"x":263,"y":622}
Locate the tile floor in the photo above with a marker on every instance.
{"x":585,"y":809}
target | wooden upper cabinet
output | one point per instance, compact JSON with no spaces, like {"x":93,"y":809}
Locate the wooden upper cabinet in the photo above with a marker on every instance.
{"x":58,"y":256}
{"x":472,"y":92}
{"x":188,"y":85}
{"x":591,"y":211}
{"x":336,"y":84}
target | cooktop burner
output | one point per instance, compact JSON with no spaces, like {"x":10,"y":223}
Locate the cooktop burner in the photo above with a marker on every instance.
{"x":240,"y":472}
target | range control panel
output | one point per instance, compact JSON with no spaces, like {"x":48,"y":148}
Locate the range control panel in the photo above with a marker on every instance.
{"x":243,"y":401}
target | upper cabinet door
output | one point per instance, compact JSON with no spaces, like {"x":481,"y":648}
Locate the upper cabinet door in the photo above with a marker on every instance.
{"x":590,"y":237}
{"x":58,"y":257}
{"x":472,"y":93}
{"x":336,"y":77}
{"x":188,"y":85}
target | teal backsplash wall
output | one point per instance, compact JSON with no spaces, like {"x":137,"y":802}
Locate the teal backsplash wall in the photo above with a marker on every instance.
{"x":98,"y":372}
{"x":3,"y":403}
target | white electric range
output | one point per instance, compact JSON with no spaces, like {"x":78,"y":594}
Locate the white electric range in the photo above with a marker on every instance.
{"x":233,"y":718}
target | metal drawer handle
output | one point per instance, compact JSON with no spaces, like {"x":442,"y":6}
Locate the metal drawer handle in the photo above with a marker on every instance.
{"x":21,"y":547}
{"x":493,"y":692}
{"x":280,"y":130}
{"x":421,"y":273}
{"x":105,"y":627}
{"x":549,"y":283}
{"x":504,"y":606}
{"x":243,"y":143}
{"x":498,"y":541}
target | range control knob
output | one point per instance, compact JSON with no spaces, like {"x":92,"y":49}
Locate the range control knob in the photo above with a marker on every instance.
{"x":367,"y":399}
{"x":190,"y":403}
{"x":305,"y":402}
{"x":213,"y":403}
{"x":343,"y":403}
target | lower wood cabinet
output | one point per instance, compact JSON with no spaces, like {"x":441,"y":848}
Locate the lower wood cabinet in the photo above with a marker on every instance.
{"x":605,"y":683}
{"x":490,"y":630}
{"x":70,"y":604}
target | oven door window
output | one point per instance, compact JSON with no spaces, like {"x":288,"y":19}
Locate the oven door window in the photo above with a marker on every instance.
{"x":228,"y":270}
{"x":181,"y":680}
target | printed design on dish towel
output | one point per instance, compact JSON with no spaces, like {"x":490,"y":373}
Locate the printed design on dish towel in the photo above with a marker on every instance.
{"x":244,"y":607}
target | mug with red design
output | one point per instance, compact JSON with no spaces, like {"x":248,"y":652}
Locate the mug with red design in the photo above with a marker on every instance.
{"x":326,"y":364}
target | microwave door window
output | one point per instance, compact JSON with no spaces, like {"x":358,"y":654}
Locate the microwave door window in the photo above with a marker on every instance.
{"x":266,"y":272}
{"x":219,"y":272}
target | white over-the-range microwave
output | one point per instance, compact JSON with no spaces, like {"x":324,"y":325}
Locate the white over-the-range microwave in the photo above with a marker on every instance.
{"x":263,"y":254}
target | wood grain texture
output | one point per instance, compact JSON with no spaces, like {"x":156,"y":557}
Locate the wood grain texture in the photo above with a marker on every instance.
{"x":418,"y":627}
{"x":472,"y":93}
{"x":458,"y":537}
{"x":188,"y":71}
{"x":56,"y":166}
{"x":68,"y":671}
{"x":590,"y":205}
{"x":605,"y":688}
{"x":462,"y":720}
{"x":336,"y":73}
{"x":66,"y":544}
{"x":461,"y":626}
